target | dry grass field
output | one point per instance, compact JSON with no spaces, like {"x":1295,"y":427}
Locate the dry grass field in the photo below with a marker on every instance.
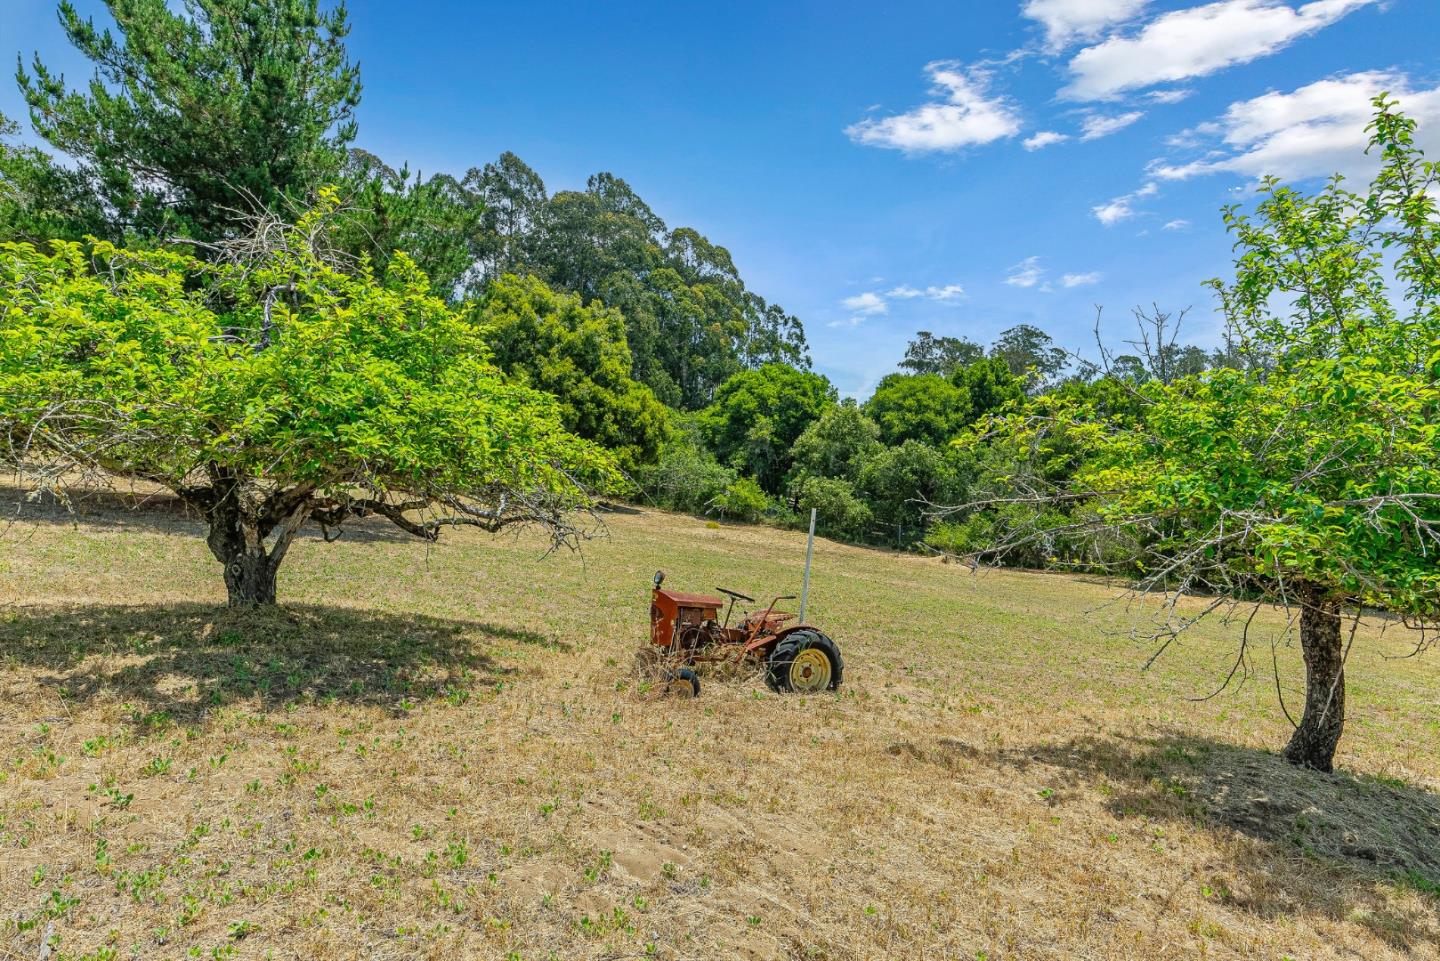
{"x":442,"y":754}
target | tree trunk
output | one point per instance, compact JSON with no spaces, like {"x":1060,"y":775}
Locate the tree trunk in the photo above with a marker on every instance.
{"x":250,"y":579}
{"x":238,"y":538}
{"x":1314,"y":741}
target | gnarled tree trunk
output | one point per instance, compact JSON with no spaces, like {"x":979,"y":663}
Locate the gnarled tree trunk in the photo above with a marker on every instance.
{"x":250,"y":540}
{"x":250,"y":578}
{"x":1314,"y":741}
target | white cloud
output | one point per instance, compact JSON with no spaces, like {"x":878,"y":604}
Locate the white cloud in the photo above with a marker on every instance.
{"x":1314,"y":131}
{"x":1113,"y":212}
{"x":1044,"y":139}
{"x":1173,"y":95}
{"x":873,"y":303}
{"x":866,"y":303}
{"x":1195,"y":42}
{"x":1178,"y":224}
{"x":1066,"y":21}
{"x":1122,"y":208}
{"x":948,"y":292}
{"x":1027,"y":273}
{"x":1097,"y":125}
{"x":964,"y":114}
{"x":1081,"y":280}
{"x":906,"y":292}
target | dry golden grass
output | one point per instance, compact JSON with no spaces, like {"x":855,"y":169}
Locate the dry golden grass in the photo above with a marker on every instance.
{"x":441,"y":755}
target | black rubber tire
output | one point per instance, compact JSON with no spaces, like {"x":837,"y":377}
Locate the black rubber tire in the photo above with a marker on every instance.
{"x":777,"y":666}
{"x":685,"y":674}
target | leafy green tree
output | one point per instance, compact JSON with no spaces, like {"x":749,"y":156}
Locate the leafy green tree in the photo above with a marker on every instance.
{"x":1014,"y":484}
{"x":771,"y":334}
{"x":990,"y":386}
{"x":1309,"y":476}
{"x":928,"y":354}
{"x":585,"y":247}
{"x":274,"y":391}
{"x":838,"y":444}
{"x":903,"y":484}
{"x":1129,"y":369}
{"x":839,"y":511}
{"x":686,"y":476}
{"x":741,"y":499}
{"x":436,"y":222}
{"x":923,"y":407}
{"x":1111,"y":397}
{"x":758,"y":415}
{"x":553,"y":343}
{"x":1030,"y":353}
{"x":1186,"y":361}
{"x":223,"y":106}
{"x":41,"y":200}
{"x":691,"y":323}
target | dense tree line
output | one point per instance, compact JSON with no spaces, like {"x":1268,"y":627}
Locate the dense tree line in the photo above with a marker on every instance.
{"x":778,"y":441}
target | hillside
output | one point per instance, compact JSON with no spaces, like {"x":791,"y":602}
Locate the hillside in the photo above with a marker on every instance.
{"x":440,"y":753}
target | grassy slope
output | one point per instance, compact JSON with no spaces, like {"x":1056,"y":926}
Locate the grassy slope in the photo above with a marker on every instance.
{"x":439,"y":754}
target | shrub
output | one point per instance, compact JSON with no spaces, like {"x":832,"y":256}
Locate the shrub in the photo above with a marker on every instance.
{"x":742,"y":500}
{"x":687,"y":477}
{"x":840,"y":513}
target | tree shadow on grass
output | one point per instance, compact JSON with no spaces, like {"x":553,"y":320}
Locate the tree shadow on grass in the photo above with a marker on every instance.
{"x":1321,"y":841}
{"x":1317,"y":831}
{"x":178,"y":662}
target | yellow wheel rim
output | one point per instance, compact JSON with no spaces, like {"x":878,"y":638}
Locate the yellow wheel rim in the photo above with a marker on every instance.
{"x":810,"y":671}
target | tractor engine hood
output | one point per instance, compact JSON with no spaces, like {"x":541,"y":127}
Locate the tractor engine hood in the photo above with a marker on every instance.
{"x":691,"y":600}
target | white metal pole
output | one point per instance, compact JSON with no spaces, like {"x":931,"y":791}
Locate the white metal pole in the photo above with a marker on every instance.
{"x":809,"y":553}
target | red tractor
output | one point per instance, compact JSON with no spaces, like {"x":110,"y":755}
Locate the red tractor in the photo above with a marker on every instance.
{"x":686,"y":630}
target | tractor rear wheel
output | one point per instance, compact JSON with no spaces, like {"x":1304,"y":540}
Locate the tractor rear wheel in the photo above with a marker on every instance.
{"x":804,"y":662}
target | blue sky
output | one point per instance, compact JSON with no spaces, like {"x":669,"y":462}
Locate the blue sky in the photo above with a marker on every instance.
{"x":882,"y":169}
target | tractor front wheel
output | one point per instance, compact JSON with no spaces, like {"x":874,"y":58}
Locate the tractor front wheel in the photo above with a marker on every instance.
{"x":682,"y":683}
{"x":804,"y":662}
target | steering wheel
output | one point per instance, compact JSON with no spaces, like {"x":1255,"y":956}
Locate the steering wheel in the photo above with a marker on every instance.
{"x":736,"y":594}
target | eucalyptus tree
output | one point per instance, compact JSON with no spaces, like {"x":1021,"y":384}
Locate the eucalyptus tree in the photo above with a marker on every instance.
{"x":1031,"y":353}
{"x":690,"y":321}
{"x":513,"y":197}
{"x":929,"y":354}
